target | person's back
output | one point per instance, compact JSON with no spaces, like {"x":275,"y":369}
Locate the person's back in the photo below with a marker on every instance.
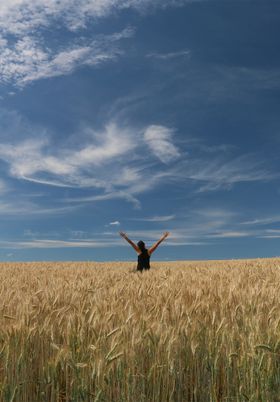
{"x":143,"y":260}
{"x":144,"y":254}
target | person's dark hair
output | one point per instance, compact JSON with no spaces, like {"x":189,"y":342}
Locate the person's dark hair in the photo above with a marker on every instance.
{"x":141,"y":245}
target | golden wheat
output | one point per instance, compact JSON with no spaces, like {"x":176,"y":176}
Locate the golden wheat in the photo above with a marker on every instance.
{"x":184,"y":331}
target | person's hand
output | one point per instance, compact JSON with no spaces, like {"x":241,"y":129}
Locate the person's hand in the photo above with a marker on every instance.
{"x":166,"y":234}
{"x":122,"y":234}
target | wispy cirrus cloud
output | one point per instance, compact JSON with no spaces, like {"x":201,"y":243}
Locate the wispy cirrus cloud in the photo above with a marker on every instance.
{"x":21,"y":16}
{"x":263,"y":221}
{"x":31,"y":158}
{"x":27,"y":60}
{"x":25,"y":51}
{"x":159,"y":140}
{"x":53,"y":244}
{"x":169,"y":55}
{"x":162,"y":218}
{"x":218,"y":172}
{"x":22,"y":209}
{"x":271,"y":234}
{"x":110,"y":162}
{"x":112,"y":195}
{"x":203,"y":227}
{"x":86,"y":243}
{"x":120,"y":162}
{"x":230,"y":234}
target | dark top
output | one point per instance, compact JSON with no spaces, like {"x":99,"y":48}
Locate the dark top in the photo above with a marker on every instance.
{"x":143,"y":260}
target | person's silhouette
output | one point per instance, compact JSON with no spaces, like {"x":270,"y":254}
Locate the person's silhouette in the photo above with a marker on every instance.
{"x":144,"y":254}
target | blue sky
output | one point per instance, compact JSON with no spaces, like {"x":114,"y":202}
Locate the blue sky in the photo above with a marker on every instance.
{"x":142,"y":116}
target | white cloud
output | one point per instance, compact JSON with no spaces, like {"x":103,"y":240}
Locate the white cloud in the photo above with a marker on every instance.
{"x":115,"y":223}
{"x":28,"y":60}
{"x":270,"y":237}
{"x":111,"y":162}
{"x":263,"y":221}
{"x":102,"y":163}
{"x":18,"y":208}
{"x":51,"y":244}
{"x":108,"y":196}
{"x":163,"y":218}
{"x":30,"y":159}
{"x":115,"y":142}
{"x":128,"y":175}
{"x":230,"y":234}
{"x":273,"y":231}
{"x":159,"y":140}
{"x":209,"y":228}
{"x":21,"y":16}
{"x":85,"y":243}
{"x":270,"y":234}
{"x":25,"y":51}
{"x":170,"y":55}
{"x":218,"y":173}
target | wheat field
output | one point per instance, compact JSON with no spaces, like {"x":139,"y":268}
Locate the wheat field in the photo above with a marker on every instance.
{"x":183,"y":331}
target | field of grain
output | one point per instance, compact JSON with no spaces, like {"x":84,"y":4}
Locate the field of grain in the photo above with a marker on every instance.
{"x":183,"y":331}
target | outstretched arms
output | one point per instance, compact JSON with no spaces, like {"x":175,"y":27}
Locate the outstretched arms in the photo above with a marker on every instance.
{"x":154,"y":246}
{"x":136,"y":248}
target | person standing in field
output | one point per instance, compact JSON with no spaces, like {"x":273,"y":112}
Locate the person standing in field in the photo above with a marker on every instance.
{"x":144,"y":254}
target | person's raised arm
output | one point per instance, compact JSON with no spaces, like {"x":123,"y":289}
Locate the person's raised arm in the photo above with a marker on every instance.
{"x":154,"y":246}
{"x":136,"y":248}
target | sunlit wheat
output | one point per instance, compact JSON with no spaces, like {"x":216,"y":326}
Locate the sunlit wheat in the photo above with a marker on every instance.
{"x":184,"y":331}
